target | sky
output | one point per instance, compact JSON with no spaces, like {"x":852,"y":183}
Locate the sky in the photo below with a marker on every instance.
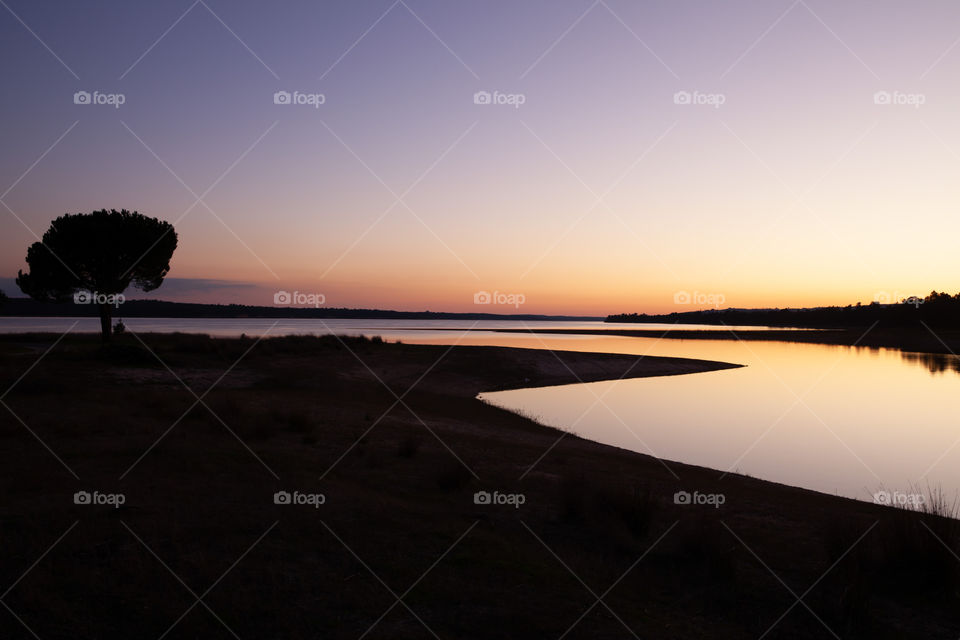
{"x":564,"y":156}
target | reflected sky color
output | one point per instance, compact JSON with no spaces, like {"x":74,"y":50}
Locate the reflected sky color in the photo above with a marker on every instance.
{"x":835,"y":419}
{"x":798,"y":190}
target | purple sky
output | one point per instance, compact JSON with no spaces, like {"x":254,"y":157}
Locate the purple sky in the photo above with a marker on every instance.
{"x":789,"y":183}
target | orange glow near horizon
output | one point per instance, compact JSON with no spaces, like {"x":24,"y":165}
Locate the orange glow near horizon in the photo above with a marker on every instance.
{"x":604,"y":192}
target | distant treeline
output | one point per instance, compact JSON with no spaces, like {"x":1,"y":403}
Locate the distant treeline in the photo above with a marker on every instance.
{"x":27,"y":307}
{"x":936,"y":310}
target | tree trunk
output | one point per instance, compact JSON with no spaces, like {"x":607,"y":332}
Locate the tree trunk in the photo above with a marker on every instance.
{"x":106,"y":316}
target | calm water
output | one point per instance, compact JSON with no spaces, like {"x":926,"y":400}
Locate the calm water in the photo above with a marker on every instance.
{"x":388,"y":329}
{"x":835,"y":419}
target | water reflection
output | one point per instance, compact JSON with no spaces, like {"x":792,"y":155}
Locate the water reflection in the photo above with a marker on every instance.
{"x":934,"y":362}
{"x":837,"y":419}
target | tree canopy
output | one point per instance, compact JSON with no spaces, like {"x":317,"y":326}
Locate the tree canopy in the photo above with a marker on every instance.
{"x":103,"y":253}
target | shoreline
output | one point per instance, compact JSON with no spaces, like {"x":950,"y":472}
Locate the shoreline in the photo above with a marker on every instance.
{"x":925,"y":341}
{"x":919,"y":341}
{"x":922,"y":341}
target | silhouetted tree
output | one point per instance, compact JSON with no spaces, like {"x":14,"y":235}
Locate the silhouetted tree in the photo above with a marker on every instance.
{"x":99,"y":253}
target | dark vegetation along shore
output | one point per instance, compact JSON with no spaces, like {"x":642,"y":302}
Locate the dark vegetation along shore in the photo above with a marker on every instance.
{"x":394,"y":439}
{"x":937,"y":309}
{"x":27,"y":307}
{"x":917,"y":343}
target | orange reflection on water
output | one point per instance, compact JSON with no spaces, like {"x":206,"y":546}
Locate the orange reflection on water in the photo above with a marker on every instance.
{"x":831,"y":418}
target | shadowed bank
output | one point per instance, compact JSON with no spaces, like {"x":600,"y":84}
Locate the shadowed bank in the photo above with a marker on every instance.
{"x":393,"y":439}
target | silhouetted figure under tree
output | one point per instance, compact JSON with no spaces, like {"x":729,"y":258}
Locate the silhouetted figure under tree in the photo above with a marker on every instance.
{"x":100,"y":253}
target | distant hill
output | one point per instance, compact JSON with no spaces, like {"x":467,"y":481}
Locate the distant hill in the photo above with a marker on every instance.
{"x":935,"y":310}
{"x":27,"y":307}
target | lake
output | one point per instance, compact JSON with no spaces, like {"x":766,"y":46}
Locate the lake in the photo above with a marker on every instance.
{"x":388,"y":329}
{"x":841,"y":420}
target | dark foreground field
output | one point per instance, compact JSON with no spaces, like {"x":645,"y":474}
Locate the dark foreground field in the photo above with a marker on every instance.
{"x":394,"y":440}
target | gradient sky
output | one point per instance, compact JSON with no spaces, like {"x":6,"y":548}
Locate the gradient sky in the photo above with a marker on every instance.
{"x":600,"y":194}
